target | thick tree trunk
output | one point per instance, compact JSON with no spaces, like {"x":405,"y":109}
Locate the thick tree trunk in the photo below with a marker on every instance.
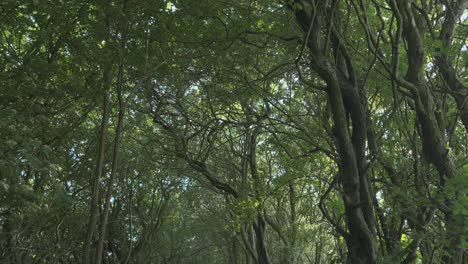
{"x":457,"y":89}
{"x":432,"y":136}
{"x":346,"y":101}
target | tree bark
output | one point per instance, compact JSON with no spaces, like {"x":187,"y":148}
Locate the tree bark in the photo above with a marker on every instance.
{"x":443,"y":60}
{"x":115,"y":160}
{"x":346,"y":100}
{"x":260,"y":225}
{"x":432,"y":136}
{"x":94,"y":209}
{"x":260,"y":245}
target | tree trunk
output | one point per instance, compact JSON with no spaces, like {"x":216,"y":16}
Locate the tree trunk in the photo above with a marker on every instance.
{"x":432,"y":136}
{"x":293,"y":222}
{"x":318,"y":252}
{"x":233,"y":252}
{"x":457,"y":89}
{"x":94,"y":209}
{"x":260,"y":244}
{"x":115,"y":160}
{"x":260,"y":225}
{"x":346,"y":100}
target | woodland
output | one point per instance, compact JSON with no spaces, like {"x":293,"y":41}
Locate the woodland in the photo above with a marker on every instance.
{"x":249,"y":131}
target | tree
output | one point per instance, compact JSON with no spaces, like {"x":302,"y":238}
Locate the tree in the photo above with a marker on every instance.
{"x":257,"y":132}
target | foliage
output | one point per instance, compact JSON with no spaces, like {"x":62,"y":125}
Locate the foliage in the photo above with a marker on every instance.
{"x":242,"y":127}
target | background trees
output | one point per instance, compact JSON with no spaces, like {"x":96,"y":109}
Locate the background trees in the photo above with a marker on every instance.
{"x":247,"y":132}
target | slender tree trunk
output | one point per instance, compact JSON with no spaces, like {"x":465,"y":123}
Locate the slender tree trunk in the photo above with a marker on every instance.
{"x":247,"y":239}
{"x":260,"y":244}
{"x":115,"y":160}
{"x":130,"y":247}
{"x":293,"y":222}
{"x":260,"y":225}
{"x":233,"y":251}
{"x":318,"y":252}
{"x":94,"y":209}
{"x":249,"y":257}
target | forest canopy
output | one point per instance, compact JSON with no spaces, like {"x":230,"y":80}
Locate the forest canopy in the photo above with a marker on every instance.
{"x":250,"y":131}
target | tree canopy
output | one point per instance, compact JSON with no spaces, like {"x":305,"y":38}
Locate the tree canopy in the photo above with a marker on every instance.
{"x":250,"y":131}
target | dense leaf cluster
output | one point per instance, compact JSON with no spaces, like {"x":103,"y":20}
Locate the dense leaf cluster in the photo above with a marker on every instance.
{"x":211,"y":131}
